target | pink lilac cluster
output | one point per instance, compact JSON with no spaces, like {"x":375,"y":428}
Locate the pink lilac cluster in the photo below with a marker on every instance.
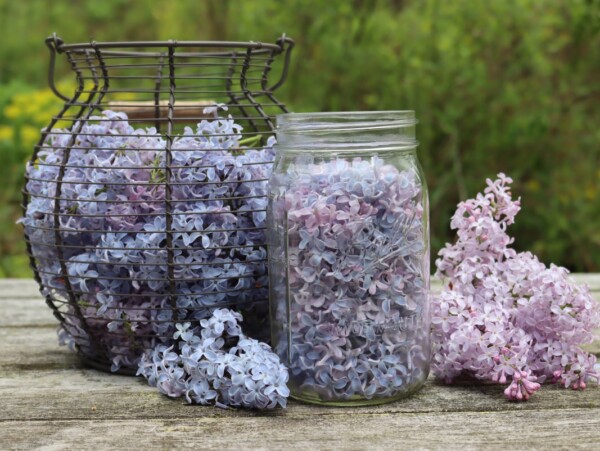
{"x":504,"y":316}
{"x":113,"y":223}
{"x":349,"y":278}
{"x":219,"y":366}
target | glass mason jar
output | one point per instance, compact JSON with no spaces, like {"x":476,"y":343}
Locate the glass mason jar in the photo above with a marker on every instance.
{"x":349,"y":256}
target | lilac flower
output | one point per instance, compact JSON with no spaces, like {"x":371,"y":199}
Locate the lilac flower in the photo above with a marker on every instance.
{"x":523,"y":385}
{"x":218,"y":365}
{"x":505,"y":316}
{"x":113,"y":228}
{"x":201,"y":393}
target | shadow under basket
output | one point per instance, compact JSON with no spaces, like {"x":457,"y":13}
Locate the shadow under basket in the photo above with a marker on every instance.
{"x":145,"y":197}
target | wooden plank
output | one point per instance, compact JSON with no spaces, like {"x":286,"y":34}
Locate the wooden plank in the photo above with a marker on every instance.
{"x":183,"y":111}
{"x":49,"y":399}
{"x":19,"y":289}
{"x":32,"y":345}
{"x":23,"y":313}
{"x":564,"y":429}
{"x":593,"y":280}
{"x":85,"y":394}
{"x":35,"y":372}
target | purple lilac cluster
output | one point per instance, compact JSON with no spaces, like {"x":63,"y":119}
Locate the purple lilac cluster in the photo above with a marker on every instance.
{"x":217,"y":366}
{"x":112,"y":222}
{"x":504,"y":316}
{"x":349,"y":265}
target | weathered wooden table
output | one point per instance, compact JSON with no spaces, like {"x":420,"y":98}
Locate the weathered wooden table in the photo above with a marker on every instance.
{"x":48,"y":399}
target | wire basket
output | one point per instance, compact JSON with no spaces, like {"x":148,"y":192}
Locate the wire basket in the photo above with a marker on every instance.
{"x":145,"y":198}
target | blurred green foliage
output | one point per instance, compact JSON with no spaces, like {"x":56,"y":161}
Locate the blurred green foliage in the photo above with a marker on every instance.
{"x":511,"y":86}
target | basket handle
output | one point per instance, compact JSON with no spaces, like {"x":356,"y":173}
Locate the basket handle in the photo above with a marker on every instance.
{"x":287,"y":44}
{"x":53,"y":43}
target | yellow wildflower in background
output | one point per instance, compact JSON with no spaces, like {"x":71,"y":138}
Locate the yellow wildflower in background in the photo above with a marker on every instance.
{"x":35,"y":107}
{"x":7,"y":132}
{"x":29,"y":135}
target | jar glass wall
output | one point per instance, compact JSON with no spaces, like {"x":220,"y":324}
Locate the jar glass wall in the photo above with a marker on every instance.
{"x":349,"y":256}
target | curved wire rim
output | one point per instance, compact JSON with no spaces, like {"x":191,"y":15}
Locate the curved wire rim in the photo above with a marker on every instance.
{"x":255,"y":45}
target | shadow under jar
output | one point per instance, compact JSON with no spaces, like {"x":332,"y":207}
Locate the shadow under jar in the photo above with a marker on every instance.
{"x":349,"y":257}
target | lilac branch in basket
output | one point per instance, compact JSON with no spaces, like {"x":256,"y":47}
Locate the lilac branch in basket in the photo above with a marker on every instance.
{"x":112,"y":214}
{"x":504,"y":316}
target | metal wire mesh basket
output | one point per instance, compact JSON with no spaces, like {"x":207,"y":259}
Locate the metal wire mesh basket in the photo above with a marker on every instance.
{"x":144,"y":204}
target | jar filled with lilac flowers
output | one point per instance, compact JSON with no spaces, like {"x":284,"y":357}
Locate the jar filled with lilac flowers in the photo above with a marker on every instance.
{"x":349,"y":256}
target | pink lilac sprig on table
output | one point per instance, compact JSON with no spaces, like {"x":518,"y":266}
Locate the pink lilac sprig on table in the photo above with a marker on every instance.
{"x":504,"y":316}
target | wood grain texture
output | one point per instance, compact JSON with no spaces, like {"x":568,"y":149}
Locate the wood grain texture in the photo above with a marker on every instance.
{"x":543,"y":429}
{"x":49,"y":400}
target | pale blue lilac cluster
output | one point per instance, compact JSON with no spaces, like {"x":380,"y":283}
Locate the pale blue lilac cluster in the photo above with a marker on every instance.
{"x":349,"y":278}
{"x":113,"y":223}
{"x":504,"y":316}
{"x":217,"y":366}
